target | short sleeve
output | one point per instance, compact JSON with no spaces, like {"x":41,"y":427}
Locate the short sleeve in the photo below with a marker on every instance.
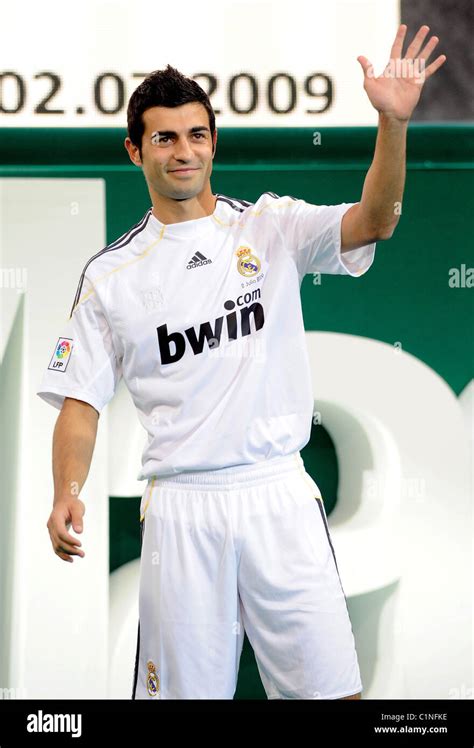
{"x":312,"y":235}
{"x":83,"y":363}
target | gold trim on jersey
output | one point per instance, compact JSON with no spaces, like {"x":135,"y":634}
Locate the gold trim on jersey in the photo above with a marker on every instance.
{"x":141,"y":256}
{"x":147,"y":250}
{"x":150,"y":489}
{"x":306,"y":479}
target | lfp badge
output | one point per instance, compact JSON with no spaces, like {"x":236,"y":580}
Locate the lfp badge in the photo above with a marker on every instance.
{"x":61,"y":355}
{"x":247,"y":262}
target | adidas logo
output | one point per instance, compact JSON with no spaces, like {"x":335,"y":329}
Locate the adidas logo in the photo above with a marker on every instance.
{"x":197,"y":260}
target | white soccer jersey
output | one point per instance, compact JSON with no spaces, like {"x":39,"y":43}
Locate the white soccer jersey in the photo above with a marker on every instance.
{"x":203,"y":320}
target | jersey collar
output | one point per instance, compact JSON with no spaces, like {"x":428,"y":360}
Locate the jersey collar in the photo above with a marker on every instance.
{"x":187,"y":229}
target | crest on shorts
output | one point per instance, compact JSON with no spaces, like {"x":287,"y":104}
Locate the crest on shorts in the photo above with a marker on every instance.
{"x":152,"y":681}
{"x":247,"y":261}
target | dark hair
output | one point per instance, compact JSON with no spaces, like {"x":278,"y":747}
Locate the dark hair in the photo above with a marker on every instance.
{"x":168,"y":88}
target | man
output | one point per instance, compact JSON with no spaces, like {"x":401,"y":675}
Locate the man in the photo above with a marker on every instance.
{"x":198,"y":308}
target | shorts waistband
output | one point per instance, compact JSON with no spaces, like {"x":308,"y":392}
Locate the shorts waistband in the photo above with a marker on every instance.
{"x":236,"y":474}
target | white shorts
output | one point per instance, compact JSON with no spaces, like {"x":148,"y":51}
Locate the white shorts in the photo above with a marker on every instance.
{"x":243,"y":548}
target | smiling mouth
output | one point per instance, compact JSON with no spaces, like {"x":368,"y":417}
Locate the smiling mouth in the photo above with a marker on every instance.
{"x":182,"y":170}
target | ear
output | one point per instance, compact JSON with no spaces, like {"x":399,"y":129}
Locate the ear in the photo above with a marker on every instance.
{"x":133,"y":152}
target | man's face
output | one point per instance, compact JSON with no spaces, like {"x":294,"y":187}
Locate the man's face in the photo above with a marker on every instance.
{"x":177,"y":150}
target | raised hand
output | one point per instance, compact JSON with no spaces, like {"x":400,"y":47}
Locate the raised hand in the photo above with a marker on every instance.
{"x":397,"y":90}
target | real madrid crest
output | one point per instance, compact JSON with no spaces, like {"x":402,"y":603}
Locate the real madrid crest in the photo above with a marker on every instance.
{"x":247,"y":262}
{"x":152,"y":681}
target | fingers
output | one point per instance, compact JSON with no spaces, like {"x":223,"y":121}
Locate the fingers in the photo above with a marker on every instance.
{"x":417,"y":43}
{"x":429,"y":48}
{"x":69,"y":542}
{"x":366,"y":65}
{"x":434,"y":66}
{"x":64,"y":544}
{"x":77,"y":512}
{"x":413,"y":51}
{"x":64,"y":551}
{"x":397,"y":46}
{"x":62,"y":535}
{"x":62,"y":555}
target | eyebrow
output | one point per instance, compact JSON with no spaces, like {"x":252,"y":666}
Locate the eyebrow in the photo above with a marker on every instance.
{"x":197,"y":128}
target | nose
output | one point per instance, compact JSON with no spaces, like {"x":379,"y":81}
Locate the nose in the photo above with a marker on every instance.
{"x":182,"y":150}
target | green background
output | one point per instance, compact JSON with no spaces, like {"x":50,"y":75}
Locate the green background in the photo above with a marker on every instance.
{"x":405,"y":297}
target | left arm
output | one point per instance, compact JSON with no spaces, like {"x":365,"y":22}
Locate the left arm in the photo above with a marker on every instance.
{"x":394,"y":94}
{"x":376,"y":216}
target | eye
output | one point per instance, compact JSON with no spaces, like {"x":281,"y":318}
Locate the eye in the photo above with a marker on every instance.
{"x":156,"y":138}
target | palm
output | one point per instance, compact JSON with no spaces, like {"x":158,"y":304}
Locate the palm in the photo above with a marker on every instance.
{"x":396,"y":92}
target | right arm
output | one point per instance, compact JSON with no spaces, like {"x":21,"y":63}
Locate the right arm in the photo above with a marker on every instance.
{"x":74,"y":439}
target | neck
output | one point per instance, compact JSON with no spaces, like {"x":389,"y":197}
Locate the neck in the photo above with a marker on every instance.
{"x":170,"y":210}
